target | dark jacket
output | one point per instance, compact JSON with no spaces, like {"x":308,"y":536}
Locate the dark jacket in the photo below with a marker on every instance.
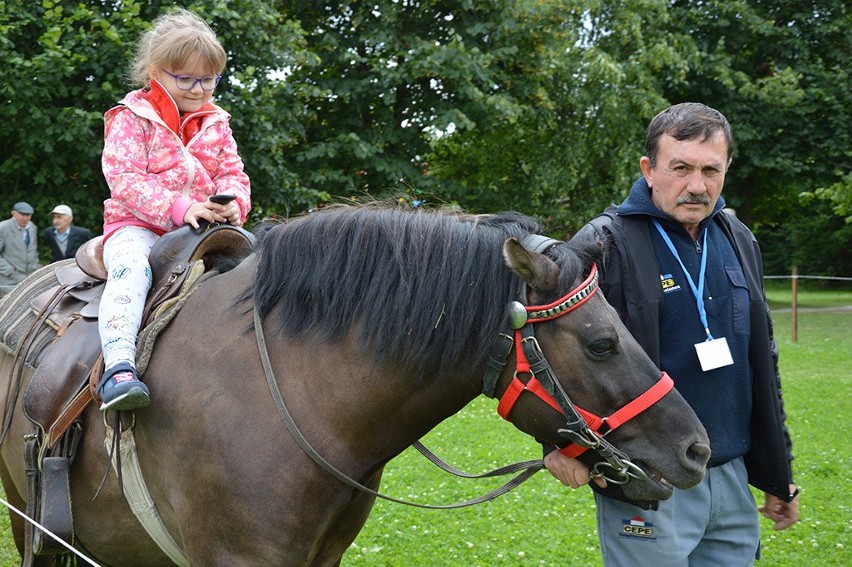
{"x":77,"y":236}
{"x":630,"y":280}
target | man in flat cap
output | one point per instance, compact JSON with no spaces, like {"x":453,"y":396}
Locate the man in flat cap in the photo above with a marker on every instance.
{"x":18,"y":249}
{"x":64,"y":237}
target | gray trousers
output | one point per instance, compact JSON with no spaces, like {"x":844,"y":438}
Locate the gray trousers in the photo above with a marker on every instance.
{"x":712,"y":524}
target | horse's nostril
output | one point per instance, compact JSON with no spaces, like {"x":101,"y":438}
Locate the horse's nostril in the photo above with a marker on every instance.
{"x":698,"y":453}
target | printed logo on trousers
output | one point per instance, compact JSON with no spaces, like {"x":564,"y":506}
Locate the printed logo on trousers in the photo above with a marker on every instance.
{"x":637,"y":528}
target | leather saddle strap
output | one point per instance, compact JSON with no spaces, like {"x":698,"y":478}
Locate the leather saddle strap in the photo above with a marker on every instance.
{"x":68,"y":415}
{"x":76,"y":406}
{"x":31,"y":469}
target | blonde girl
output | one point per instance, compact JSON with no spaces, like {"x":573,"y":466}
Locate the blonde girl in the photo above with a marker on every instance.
{"x":167,"y":150}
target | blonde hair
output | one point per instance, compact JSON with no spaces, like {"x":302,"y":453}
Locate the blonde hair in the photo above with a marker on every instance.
{"x":171,"y":42}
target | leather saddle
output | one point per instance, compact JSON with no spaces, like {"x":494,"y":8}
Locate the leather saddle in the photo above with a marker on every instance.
{"x":57,"y":393}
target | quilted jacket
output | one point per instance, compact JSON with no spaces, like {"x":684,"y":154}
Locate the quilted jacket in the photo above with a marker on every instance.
{"x":153,"y":176}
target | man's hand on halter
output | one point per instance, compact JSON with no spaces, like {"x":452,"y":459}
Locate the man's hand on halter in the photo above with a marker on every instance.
{"x":568,"y":471}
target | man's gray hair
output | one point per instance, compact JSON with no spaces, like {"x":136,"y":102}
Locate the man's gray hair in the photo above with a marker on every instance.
{"x":687,"y":121}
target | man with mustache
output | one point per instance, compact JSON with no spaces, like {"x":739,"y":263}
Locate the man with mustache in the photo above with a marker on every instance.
{"x":687,"y":280}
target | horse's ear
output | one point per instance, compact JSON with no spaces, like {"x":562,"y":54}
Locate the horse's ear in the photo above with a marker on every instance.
{"x":540,"y":272}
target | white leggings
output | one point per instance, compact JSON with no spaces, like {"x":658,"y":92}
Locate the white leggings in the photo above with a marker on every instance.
{"x":129,"y":279}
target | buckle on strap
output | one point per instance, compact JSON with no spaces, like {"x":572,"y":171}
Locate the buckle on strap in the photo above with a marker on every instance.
{"x":600,"y":427}
{"x":497,"y":362}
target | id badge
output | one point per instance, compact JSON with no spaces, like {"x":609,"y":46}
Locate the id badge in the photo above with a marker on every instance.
{"x":714,"y":354}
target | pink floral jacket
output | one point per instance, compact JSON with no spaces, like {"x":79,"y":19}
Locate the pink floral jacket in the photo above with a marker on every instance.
{"x":153,"y":177}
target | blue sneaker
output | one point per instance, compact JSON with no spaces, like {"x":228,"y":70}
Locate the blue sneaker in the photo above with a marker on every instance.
{"x":120,"y":389}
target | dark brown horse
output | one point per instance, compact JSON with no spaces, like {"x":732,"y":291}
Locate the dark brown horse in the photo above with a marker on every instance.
{"x":379,"y":323}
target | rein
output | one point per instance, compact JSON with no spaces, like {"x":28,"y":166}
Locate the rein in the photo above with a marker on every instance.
{"x":528,"y":468}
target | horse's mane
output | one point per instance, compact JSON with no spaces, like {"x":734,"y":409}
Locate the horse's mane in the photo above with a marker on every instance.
{"x":424,"y":288}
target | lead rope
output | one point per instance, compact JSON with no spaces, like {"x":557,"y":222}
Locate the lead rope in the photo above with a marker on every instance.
{"x":534,"y":467}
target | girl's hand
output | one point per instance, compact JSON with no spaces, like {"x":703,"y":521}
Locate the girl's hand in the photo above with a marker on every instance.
{"x":198,"y":211}
{"x":212,"y":212}
{"x":231,"y":213}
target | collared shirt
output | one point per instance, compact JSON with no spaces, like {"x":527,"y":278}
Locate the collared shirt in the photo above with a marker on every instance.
{"x":62,"y":239}
{"x":61,"y":236}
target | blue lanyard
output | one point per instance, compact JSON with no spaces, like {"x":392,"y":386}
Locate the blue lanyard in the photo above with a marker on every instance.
{"x":697,"y":291}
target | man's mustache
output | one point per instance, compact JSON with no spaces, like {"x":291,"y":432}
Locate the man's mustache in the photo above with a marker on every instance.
{"x":691,"y":199}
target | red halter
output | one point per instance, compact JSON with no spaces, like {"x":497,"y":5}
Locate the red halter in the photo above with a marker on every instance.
{"x":599,"y":425}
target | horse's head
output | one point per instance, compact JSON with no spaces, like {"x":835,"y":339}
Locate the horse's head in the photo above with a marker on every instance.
{"x":586,"y":363}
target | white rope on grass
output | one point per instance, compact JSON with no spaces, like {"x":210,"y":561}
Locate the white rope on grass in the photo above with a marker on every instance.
{"x":51,"y":534}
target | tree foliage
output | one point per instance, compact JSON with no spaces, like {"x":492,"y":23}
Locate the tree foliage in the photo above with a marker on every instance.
{"x":533,"y":105}
{"x":591,"y":82}
{"x":66,"y":64}
{"x":391,"y":77}
{"x":779,"y":72}
{"x":59,"y":65}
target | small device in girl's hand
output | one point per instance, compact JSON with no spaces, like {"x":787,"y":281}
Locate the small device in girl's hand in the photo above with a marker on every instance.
{"x":222,"y":199}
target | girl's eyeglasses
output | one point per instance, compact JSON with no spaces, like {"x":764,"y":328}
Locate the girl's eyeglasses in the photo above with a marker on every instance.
{"x":187,"y":83}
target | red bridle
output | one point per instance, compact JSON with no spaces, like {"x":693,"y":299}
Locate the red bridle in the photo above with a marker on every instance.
{"x":601,"y":426}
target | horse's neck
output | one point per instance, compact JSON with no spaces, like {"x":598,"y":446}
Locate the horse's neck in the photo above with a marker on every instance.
{"x":339,"y":388}
{"x":373,"y":409}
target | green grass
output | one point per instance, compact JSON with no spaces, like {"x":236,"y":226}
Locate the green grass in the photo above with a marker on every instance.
{"x":8,"y":551}
{"x":544,"y":523}
{"x":817,"y":386}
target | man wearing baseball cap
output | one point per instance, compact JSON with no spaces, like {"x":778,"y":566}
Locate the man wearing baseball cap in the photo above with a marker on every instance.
{"x":18,"y":248}
{"x":63,"y":237}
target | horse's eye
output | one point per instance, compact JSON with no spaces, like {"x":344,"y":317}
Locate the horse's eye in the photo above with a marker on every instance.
{"x":602,"y":348}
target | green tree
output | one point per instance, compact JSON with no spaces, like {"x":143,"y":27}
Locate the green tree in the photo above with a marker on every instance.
{"x":534,"y":105}
{"x":65,"y":63}
{"x":838,"y":195}
{"x":61,"y":68}
{"x":591,"y":74}
{"x":390,"y":76}
{"x":779,"y":72}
